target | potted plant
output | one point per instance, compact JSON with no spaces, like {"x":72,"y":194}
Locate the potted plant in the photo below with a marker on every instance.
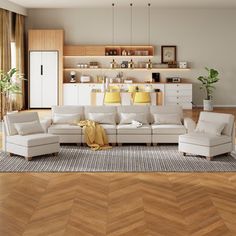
{"x":9,"y":85}
{"x":207,"y":85}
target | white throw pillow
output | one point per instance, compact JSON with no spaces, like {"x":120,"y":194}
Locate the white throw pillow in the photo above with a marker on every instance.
{"x":33,"y":127}
{"x":170,"y":119}
{"x":102,"y":118}
{"x":210,"y":127}
{"x":128,"y":118}
{"x":71,"y":119}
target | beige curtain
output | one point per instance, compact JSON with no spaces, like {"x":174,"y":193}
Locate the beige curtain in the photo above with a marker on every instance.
{"x":5,"y":46}
{"x":19,"y":101}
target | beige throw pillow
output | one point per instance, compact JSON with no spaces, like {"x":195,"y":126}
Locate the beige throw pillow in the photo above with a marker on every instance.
{"x":26,"y":128}
{"x":71,"y":119}
{"x":210,"y":127}
{"x":102,"y":118}
{"x":128,"y":118}
{"x":170,"y":119}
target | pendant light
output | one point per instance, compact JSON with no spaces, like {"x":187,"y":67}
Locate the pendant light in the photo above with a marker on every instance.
{"x":131,"y":63}
{"x":113,"y":63}
{"x":149,"y":64}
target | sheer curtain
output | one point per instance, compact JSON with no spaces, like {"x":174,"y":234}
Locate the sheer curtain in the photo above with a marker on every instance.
{"x":19,"y":101}
{"x":5,"y":47}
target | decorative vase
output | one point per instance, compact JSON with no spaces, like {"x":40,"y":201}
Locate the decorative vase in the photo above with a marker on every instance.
{"x":207,"y":105}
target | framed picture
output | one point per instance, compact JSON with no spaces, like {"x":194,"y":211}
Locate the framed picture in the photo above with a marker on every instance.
{"x":168,"y":54}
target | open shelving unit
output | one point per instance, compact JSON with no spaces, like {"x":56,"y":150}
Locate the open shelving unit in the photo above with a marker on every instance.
{"x":73,"y":54}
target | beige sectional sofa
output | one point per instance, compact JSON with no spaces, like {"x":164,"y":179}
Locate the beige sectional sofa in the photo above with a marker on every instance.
{"x":116,"y":121}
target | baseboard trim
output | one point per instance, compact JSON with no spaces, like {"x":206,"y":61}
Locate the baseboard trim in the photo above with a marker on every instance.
{"x":226,"y":106}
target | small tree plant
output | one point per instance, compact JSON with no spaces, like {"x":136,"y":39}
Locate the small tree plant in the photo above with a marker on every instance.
{"x":208,"y":81}
{"x":9,"y":84}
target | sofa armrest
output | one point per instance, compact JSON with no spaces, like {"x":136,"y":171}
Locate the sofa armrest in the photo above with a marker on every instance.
{"x":46,"y":123}
{"x":189,"y":124}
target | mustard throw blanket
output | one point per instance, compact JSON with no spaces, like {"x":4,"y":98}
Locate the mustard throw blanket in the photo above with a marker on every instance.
{"x":95,"y":135}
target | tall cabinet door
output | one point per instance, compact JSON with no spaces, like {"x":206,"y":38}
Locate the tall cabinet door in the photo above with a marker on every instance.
{"x":50,"y":79}
{"x":35,"y":79}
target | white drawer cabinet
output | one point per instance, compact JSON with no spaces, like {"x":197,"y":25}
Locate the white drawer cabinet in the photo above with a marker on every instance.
{"x":70,"y":94}
{"x":78,"y":94}
{"x":179,"y":94}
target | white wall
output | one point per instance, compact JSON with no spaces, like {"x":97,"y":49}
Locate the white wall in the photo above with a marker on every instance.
{"x":203,"y":37}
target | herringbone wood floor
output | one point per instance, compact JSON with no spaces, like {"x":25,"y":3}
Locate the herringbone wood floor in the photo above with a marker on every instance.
{"x":114,"y":204}
{"x":117,"y":204}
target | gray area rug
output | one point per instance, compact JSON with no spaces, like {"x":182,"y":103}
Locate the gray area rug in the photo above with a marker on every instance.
{"x":163,"y":158}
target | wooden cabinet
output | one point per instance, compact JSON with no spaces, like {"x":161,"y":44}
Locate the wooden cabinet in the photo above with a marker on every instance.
{"x":179,"y":94}
{"x":48,"y":40}
{"x":45,"y":39}
{"x":77,"y":50}
{"x":94,"y":51}
{"x":74,"y":50}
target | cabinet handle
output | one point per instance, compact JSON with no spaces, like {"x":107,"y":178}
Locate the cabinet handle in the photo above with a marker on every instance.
{"x":41,"y":69}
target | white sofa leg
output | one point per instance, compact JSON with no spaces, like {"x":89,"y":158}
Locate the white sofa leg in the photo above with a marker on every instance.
{"x":148,"y":144}
{"x":209,"y":158}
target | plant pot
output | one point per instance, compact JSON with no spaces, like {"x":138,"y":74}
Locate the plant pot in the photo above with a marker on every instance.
{"x":207,"y":105}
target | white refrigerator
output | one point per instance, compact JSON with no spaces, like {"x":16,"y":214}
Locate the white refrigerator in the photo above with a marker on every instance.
{"x":43,"y":71}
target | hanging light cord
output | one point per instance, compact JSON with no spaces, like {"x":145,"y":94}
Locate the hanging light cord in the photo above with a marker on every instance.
{"x":113,"y":24}
{"x":149,"y":31}
{"x":131,"y":23}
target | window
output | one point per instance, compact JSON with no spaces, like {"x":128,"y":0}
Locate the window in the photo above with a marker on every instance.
{"x":13,"y":55}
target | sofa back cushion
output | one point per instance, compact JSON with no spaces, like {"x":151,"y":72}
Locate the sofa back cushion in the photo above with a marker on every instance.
{"x":102,"y":118}
{"x":19,"y":117}
{"x":171,"y":109}
{"x":68,"y":110}
{"x":214,"y":117}
{"x":168,"y":119}
{"x":140,"y":110}
{"x":128,"y":118}
{"x":89,"y":114}
{"x":71,"y":119}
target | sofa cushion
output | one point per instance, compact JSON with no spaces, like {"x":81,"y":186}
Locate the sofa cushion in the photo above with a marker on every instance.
{"x":130,"y":129}
{"x":227,"y":119}
{"x":210,"y":127}
{"x":64,"y":129}
{"x":170,"y":109}
{"x":19,"y":117}
{"x":26,"y":128}
{"x":171,"y":118}
{"x":109,"y":129}
{"x":59,"y":118}
{"x":168,"y":129}
{"x":128,"y":118}
{"x":204,"y":139}
{"x":33,"y":139}
{"x":103,"y":118}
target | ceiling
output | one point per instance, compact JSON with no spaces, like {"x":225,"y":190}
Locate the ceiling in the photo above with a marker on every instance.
{"x":125,"y":3}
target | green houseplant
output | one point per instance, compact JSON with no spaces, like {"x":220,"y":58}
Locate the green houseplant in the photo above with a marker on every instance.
{"x":207,"y":84}
{"x":9,"y":85}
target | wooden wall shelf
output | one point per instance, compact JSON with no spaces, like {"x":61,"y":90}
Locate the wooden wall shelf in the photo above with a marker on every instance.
{"x":110,"y":50}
